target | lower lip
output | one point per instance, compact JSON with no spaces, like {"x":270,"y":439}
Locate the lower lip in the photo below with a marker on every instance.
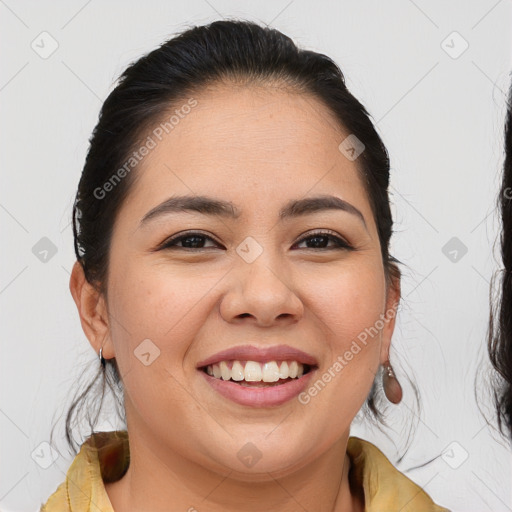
{"x":259,"y":397}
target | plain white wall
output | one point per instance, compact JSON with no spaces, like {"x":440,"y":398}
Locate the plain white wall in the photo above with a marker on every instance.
{"x":440,"y":111}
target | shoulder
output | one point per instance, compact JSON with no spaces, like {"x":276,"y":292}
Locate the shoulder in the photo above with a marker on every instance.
{"x":384,"y":486}
{"x":103,"y":457}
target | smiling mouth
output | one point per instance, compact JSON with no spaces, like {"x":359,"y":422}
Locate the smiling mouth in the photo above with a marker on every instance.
{"x":257,"y":375}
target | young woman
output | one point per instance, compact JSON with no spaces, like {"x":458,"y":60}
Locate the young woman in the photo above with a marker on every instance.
{"x":500,"y":331}
{"x":232,"y":226}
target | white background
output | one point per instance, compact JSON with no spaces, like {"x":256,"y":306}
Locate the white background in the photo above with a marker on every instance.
{"x":441,"y":119}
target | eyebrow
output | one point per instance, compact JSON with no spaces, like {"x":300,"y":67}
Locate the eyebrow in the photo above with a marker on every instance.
{"x":211,"y":206}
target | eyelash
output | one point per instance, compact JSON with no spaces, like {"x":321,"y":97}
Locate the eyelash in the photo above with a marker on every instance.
{"x":341,"y":244}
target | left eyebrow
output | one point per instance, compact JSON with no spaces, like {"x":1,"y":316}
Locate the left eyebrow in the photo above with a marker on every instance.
{"x":211,"y":206}
{"x":316,"y":204}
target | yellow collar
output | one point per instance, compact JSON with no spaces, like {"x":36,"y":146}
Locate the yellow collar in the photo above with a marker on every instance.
{"x":385,"y":488}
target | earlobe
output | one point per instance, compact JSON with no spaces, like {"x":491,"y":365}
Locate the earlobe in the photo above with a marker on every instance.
{"x":92,"y":311}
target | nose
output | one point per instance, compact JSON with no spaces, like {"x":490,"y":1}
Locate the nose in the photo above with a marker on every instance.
{"x":260,"y":293}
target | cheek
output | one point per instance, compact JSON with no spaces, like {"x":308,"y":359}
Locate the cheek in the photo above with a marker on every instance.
{"x":166,"y":308}
{"x":347,"y":308}
{"x":349,"y":302}
{"x":157,"y":318}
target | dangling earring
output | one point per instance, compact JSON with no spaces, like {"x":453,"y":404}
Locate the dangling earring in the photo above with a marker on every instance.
{"x":102,"y":359}
{"x":391,"y":386}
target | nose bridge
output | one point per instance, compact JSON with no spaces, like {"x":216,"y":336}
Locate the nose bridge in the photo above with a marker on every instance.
{"x":260,"y":285}
{"x":261,"y":265}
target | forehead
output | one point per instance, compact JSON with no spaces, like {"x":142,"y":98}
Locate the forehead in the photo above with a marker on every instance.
{"x":250,"y":144}
{"x":259,"y":122}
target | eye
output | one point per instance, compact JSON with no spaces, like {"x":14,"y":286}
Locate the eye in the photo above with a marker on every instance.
{"x":321,"y":238}
{"x":190,"y":240}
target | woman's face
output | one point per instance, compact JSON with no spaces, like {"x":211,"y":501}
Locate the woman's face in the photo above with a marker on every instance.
{"x":254,"y":279}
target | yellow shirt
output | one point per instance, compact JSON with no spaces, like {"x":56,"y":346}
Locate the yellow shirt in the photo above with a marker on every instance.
{"x":104,"y":457}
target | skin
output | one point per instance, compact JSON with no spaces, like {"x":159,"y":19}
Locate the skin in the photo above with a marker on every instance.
{"x":258,"y":148}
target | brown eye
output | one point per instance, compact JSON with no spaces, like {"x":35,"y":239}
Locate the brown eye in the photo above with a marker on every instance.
{"x":321,"y":240}
{"x":190,"y":240}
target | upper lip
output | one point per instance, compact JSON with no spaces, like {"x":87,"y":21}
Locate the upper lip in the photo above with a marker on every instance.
{"x":261,"y":355}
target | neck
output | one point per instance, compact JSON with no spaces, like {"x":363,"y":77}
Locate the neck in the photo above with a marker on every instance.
{"x":159,"y":479}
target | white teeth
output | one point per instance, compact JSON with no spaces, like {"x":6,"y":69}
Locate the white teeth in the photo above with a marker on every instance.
{"x":237,"y":371}
{"x":270,"y":372}
{"x":292,"y":369}
{"x":225,"y":371}
{"x":256,"y":372}
{"x":216,"y":371}
{"x":252,"y":371}
{"x":283,"y":370}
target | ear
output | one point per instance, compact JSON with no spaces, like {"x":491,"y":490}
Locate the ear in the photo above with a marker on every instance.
{"x":93,"y":312}
{"x":390,"y":313}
